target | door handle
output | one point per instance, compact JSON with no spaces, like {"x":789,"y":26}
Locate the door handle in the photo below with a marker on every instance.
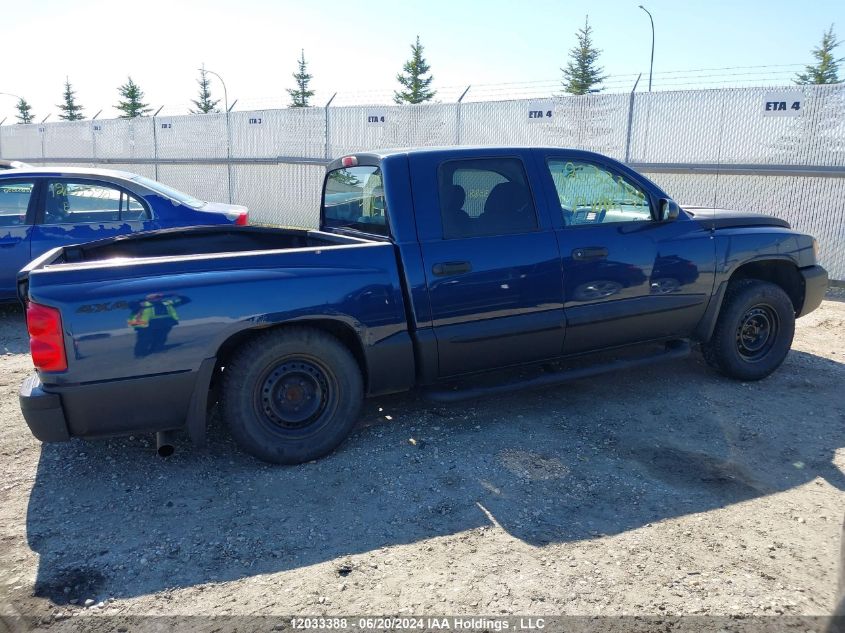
{"x":451,"y":268}
{"x":586,"y":253}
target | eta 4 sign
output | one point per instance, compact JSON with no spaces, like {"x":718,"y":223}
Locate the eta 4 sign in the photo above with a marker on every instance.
{"x":540,"y":111}
{"x":783,"y":103}
{"x":376,"y":117}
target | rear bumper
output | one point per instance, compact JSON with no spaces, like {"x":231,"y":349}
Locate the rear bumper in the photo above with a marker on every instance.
{"x":815,"y":286}
{"x":43,"y":411}
{"x":145,"y":404}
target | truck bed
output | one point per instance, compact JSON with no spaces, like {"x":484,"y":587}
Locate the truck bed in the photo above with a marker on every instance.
{"x":200,"y":240}
{"x":217,"y":282}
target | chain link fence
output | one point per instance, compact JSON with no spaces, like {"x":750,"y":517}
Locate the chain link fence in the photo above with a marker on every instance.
{"x":746,"y":148}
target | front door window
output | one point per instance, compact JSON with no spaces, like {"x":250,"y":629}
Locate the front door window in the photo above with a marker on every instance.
{"x":590,"y":194}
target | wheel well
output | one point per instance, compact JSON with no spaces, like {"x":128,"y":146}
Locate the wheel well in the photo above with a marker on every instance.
{"x":344,"y":333}
{"x":781,"y":273}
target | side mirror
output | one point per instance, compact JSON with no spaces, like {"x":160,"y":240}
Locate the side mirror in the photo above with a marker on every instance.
{"x":669,"y":210}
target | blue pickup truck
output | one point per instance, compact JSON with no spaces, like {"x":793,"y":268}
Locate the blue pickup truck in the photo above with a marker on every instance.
{"x":429,"y":265}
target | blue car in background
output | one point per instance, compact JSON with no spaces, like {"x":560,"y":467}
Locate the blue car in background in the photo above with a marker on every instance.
{"x":45,"y":207}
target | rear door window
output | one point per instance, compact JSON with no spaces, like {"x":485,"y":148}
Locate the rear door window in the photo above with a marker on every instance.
{"x":81,"y":202}
{"x":487,"y":196}
{"x":14,"y":202}
{"x":132,"y":209}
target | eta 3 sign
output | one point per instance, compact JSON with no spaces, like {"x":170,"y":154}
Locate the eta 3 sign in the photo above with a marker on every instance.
{"x":783,"y":103}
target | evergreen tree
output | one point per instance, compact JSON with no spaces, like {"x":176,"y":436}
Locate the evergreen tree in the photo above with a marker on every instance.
{"x":71,"y":111}
{"x":24,"y":114}
{"x":415,"y":83}
{"x":582,"y":71}
{"x":133,"y":105}
{"x":826,"y":69}
{"x":301,"y":94}
{"x":205,"y":104}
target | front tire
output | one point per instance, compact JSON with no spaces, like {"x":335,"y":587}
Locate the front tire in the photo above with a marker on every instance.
{"x":291,"y":395}
{"x":754,"y":331}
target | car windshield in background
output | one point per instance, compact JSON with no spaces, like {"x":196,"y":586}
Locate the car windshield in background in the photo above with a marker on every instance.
{"x":169,"y":192}
{"x":354,"y":198}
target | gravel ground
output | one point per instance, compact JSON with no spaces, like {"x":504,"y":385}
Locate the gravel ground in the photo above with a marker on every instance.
{"x":666,"y":490}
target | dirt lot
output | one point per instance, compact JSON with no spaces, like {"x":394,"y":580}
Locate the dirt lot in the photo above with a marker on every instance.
{"x":669,"y":490}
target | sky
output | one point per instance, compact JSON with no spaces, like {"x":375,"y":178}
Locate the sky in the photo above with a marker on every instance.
{"x":504,"y":49}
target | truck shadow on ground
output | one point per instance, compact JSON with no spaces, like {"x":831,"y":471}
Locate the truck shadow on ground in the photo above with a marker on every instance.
{"x":12,"y":323}
{"x":110,"y":519}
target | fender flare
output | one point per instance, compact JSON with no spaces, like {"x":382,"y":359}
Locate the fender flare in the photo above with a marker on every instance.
{"x":704,"y":330}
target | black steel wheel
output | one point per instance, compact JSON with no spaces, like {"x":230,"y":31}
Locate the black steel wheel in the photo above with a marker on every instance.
{"x":291,"y":395}
{"x":294,"y":394}
{"x":754,"y":330}
{"x":757,"y":332}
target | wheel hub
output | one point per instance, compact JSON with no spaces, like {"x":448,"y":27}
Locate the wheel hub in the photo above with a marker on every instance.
{"x":294,"y":394}
{"x":756,"y":332}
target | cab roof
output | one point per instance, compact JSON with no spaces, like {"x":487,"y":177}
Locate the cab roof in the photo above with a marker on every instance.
{"x":371,"y":156}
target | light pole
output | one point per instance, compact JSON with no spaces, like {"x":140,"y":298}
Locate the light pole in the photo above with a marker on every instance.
{"x":225,"y":95}
{"x":228,"y":129}
{"x":651,"y":66}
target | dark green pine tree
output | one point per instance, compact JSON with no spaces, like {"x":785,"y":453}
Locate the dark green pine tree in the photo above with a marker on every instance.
{"x":132,"y":104}
{"x":826,"y":68}
{"x":300,"y":96}
{"x":413,"y":79}
{"x":71,"y":111}
{"x":582,"y":73}
{"x":24,"y":114}
{"x":205,"y":104}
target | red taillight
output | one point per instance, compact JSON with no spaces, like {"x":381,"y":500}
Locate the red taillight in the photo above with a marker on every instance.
{"x":46,"y":340}
{"x":349,"y":161}
{"x":242,"y":219}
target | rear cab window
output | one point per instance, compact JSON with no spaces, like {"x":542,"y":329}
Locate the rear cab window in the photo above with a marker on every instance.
{"x":354,"y":198}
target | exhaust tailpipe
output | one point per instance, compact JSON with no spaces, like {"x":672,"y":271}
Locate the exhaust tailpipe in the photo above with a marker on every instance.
{"x":165,"y":443}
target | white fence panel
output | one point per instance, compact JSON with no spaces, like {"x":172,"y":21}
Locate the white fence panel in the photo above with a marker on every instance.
{"x":192,"y":136}
{"x":299,"y":132}
{"x":123,"y":139}
{"x":69,"y":139}
{"x":20,"y":142}
{"x":206,"y":182}
{"x":357,"y":128}
{"x":280,"y":194}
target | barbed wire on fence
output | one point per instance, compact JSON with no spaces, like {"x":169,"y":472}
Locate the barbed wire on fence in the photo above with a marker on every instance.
{"x":708,"y":77}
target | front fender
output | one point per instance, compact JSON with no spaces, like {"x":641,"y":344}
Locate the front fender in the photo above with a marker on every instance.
{"x":739,"y":247}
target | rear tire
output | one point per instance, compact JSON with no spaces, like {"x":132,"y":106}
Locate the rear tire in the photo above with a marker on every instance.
{"x":754,"y":331}
{"x":291,"y":395}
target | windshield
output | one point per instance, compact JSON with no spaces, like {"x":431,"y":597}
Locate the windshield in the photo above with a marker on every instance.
{"x":354,"y":198}
{"x":169,"y":192}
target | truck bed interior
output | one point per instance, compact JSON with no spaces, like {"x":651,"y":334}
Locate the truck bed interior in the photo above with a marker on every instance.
{"x":202,"y":240}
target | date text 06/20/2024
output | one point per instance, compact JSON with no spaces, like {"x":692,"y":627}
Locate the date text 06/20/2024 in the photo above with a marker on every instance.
{"x":455,"y":623}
